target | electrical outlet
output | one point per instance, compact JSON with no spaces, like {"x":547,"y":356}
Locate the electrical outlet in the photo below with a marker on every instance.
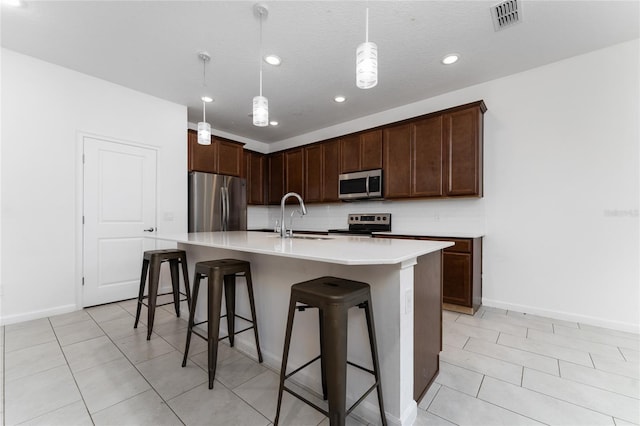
{"x":408,"y":302}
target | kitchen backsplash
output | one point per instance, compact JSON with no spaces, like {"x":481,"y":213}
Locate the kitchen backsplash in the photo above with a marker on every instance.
{"x":453,"y":215}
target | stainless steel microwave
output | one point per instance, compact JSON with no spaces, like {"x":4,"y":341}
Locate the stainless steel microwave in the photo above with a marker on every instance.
{"x":360,"y":185}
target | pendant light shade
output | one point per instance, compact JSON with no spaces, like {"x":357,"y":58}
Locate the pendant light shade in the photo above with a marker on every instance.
{"x":367,"y":65}
{"x":367,"y":61}
{"x":260,"y":103}
{"x":260,"y":111}
{"x":204,"y":128}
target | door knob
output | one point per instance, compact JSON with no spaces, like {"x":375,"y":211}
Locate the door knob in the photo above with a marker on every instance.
{"x":149,"y":230}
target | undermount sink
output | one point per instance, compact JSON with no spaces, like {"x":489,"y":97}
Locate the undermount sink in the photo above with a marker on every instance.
{"x":306,"y":237}
{"x":311,"y":237}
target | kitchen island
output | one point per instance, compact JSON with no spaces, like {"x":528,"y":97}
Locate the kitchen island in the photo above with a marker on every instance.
{"x":405,"y":279}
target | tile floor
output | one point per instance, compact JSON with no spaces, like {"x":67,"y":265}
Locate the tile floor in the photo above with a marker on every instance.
{"x":496,"y":368}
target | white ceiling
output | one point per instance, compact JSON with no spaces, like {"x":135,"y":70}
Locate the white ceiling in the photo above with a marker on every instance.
{"x":152,"y":47}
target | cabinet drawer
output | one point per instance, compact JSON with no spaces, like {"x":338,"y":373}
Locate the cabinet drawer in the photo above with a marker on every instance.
{"x":460,"y":245}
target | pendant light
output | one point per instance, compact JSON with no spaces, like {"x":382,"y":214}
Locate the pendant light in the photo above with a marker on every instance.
{"x":367,"y":61}
{"x":260,"y":103}
{"x":204,"y":128}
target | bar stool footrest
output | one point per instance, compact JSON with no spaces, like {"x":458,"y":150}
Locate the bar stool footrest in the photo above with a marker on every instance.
{"x":221,"y":338}
{"x":163,"y":304}
{"x":302,"y":398}
{"x":326,"y":413}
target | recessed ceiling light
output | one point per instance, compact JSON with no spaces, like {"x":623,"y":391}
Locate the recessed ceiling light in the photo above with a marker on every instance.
{"x":339,"y":99}
{"x":452,"y":58}
{"x":206,"y":99}
{"x":274,"y":60}
{"x":13,"y":3}
{"x":273,"y":123}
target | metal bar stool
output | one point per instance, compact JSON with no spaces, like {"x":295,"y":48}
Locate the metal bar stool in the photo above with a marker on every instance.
{"x":151,"y":262}
{"x":333,"y":297}
{"x":219,"y":273}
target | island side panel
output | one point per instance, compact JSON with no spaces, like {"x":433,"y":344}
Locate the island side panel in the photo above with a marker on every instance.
{"x":427,"y":340}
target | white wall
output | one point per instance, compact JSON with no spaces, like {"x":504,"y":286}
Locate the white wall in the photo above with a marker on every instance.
{"x":560,"y":210}
{"x":44,"y":109}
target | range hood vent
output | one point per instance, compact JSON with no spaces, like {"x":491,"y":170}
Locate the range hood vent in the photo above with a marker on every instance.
{"x":506,"y":14}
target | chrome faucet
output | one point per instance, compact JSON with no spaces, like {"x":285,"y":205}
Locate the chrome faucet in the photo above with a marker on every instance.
{"x":283,"y":231}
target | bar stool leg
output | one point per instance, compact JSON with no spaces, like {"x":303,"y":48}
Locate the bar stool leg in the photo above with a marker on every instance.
{"x":335,"y":337}
{"x":213,"y":313}
{"x":143,"y":280}
{"x":252,"y":304}
{"x":175,"y":284}
{"x":368,"y":309}
{"x":192,"y":315}
{"x":285,"y":355}
{"x":323,"y":367}
{"x":185,"y":277}
{"x":230,"y":302}
{"x":154,"y":278}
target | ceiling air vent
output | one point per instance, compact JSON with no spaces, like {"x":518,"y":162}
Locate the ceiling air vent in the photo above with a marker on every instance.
{"x":506,"y":14}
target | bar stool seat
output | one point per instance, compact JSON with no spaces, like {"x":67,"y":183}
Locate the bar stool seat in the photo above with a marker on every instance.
{"x":151,"y":262}
{"x":333,"y":297}
{"x":220,"y":273}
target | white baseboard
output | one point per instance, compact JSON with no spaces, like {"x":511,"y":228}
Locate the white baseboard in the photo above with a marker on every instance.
{"x":565,"y":316}
{"x":28,"y":316}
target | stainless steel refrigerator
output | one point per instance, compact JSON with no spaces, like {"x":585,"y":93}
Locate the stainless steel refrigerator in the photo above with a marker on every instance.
{"x":217,"y":203}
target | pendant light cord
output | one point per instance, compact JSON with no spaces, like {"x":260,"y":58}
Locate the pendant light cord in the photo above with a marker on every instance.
{"x":366,"y":31}
{"x":260,"y":53}
{"x":204,"y":84}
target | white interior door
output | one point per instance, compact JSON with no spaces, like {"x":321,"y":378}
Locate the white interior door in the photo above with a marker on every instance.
{"x":119,"y":210}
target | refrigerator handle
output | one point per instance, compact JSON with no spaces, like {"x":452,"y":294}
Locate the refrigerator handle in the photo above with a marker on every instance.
{"x":223,"y":215}
{"x":226,"y":200}
{"x":226,"y":190}
{"x":225,"y":208}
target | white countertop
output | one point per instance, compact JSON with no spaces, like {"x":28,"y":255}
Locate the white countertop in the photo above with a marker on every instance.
{"x":344,"y":250}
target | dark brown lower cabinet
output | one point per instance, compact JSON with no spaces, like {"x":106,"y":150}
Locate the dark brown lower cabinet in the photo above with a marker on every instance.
{"x":461,"y":272}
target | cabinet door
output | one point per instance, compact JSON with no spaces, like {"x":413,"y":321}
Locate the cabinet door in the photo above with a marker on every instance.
{"x":330,"y":170}
{"x":202,"y":158}
{"x":276,"y":177}
{"x":294,"y":172}
{"x":350,"y":154}
{"x":246,"y":165}
{"x":463,"y":152}
{"x":371,"y":150}
{"x":313,"y":166}
{"x":229,"y":157}
{"x":427,"y":158}
{"x":456,"y":278}
{"x":255,"y":179}
{"x":397,"y":160}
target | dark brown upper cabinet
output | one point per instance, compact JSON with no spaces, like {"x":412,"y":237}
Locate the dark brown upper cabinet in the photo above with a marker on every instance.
{"x":202,"y":158}
{"x":222,"y":156}
{"x":413,"y":159}
{"x":321,"y":165}
{"x":330,"y":170}
{"x":254,"y":171}
{"x":463,"y":138}
{"x":361,"y":151}
{"x":229,"y":157}
{"x":276,"y":178}
{"x":437,"y":155}
{"x":294,"y":172}
{"x":313,"y":165}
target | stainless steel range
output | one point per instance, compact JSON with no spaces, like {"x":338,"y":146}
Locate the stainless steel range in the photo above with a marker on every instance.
{"x":366,"y":224}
